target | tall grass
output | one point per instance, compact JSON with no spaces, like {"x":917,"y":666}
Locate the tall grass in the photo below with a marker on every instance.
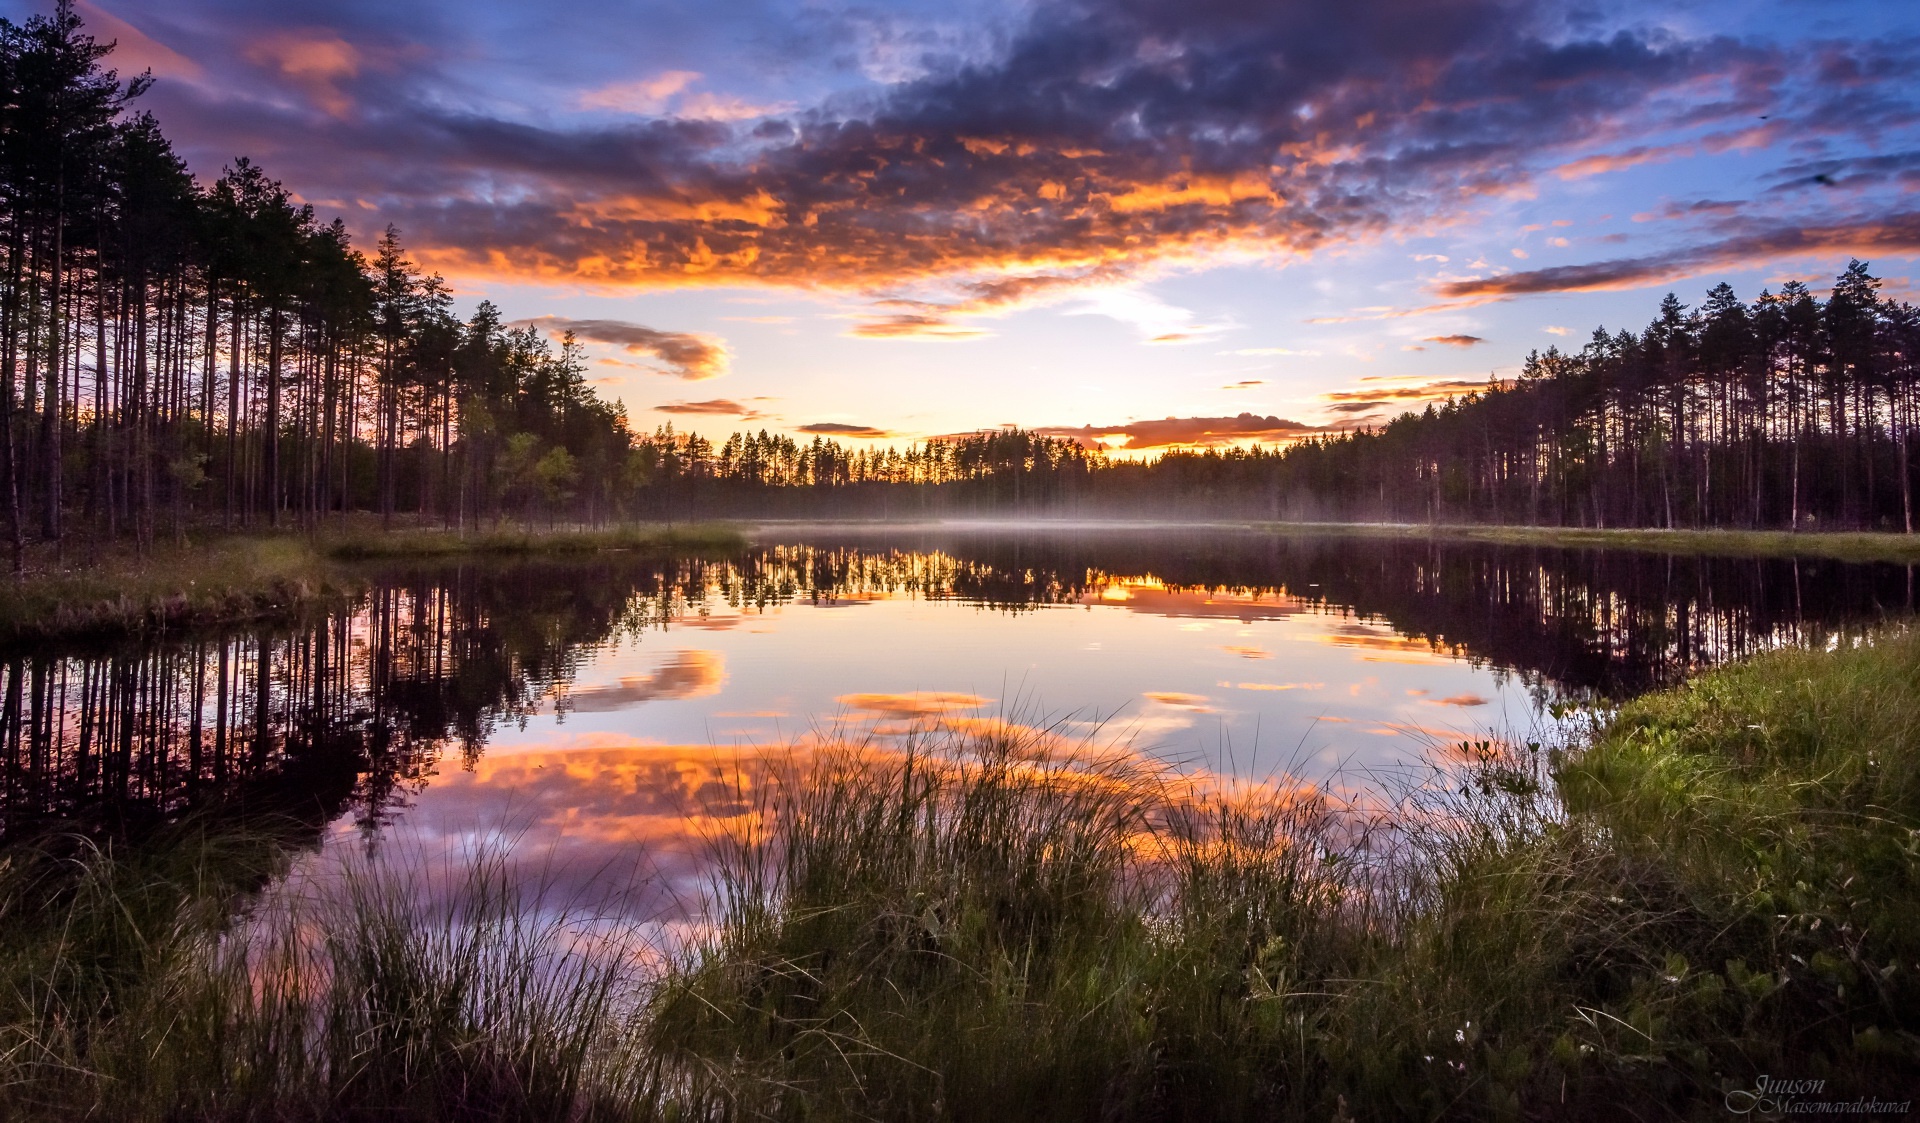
{"x":135,"y":997}
{"x":1718,"y":882}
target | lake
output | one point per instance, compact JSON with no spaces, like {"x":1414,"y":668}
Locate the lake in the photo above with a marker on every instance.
{"x":602,"y":717}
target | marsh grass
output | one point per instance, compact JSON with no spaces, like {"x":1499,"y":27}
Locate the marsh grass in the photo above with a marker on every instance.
{"x":1710,"y":884}
{"x":242,"y":578}
{"x":1715,"y":883}
{"x":149,"y":988}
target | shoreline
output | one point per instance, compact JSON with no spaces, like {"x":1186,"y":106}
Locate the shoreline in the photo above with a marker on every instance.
{"x":1841,"y":545}
{"x":243,"y":578}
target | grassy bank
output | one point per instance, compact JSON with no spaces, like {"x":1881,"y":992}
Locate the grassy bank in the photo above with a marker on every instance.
{"x":234,"y":579}
{"x":1851,"y":546}
{"x":1721,"y":882}
{"x":1724,"y":882}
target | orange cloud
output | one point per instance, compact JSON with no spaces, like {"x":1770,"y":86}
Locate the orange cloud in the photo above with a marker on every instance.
{"x":314,"y":61}
{"x":1601,"y":163}
{"x":915,"y":704}
{"x":1185,"y":432}
{"x":686,"y":674}
{"x":1179,"y":700}
{"x":1457,"y":700}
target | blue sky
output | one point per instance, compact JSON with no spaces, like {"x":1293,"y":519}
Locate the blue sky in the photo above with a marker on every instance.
{"x":910,"y":219}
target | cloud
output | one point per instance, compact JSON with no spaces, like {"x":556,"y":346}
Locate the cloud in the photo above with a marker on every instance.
{"x":641,"y":95}
{"x":914,"y":325}
{"x":1366,"y":399}
{"x":317,"y":62}
{"x":1171,"y":431}
{"x":134,"y":50}
{"x":1457,"y":700}
{"x":1089,"y":143}
{"x":685,"y":674}
{"x":1456,"y":340}
{"x":1179,"y":700}
{"x":843,"y":429}
{"x":667,"y":93}
{"x":916,"y":704}
{"x":687,"y":355}
{"x":1896,"y":234}
{"x":719,"y":407}
{"x":1618,"y":161}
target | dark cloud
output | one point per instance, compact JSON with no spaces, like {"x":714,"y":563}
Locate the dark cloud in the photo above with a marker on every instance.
{"x":1170,"y":431}
{"x":1456,"y":340}
{"x":1398,"y":395}
{"x":1097,"y":138}
{"x":1894,"y":234}
{"x":841,"y":429}
{"x":686,"y":355}
{"x":719,"y":407}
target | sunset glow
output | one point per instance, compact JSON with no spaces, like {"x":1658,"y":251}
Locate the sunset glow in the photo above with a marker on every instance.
{"x":1143,"y":225}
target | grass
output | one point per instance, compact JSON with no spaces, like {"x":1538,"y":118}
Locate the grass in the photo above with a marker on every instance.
{"x":1719,"y":883}
{"x":129,"y":994}
{"x":239,"y":578}
{"x":1850,"y":546}
{"x":1714,"y":883}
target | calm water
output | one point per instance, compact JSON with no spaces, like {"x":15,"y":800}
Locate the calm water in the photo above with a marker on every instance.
{"x":601,"y":714}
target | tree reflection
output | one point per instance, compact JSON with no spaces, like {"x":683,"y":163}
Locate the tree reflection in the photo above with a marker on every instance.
{"x":354,"y":711}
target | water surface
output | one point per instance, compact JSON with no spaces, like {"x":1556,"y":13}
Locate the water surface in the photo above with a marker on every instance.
{"x":604,"y":713}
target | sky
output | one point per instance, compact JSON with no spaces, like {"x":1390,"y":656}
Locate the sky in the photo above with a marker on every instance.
{"x":1148,"y":223}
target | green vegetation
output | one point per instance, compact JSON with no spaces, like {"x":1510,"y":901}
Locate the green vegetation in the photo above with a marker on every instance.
{"x":1721,"y":881}
{"x":246,"y":577}
{"x":1850,"y":546}
{"x":369,"y":996}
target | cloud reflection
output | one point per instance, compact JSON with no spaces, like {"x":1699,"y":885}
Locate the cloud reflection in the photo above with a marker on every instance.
{"x":686,"y":674}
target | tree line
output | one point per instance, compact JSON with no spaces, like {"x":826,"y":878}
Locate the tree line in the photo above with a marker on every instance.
{"x":173,"y":354}
{"x":1791,"y":411}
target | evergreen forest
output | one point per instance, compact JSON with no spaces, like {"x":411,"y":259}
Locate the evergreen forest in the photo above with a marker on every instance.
{"x":180,"y":355}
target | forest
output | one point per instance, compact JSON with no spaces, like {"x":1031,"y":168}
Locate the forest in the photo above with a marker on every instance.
{"x":177,"y":356}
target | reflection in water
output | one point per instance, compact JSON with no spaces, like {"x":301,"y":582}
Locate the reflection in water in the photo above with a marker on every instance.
{"x":356,"y":711}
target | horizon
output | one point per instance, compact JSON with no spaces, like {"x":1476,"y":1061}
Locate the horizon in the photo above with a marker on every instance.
{"x":890,"y":225}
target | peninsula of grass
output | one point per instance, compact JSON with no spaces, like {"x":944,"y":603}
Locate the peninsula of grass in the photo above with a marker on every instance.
{"x":1719,"y":884}
{"x":236,"y":579}
{"x":1848,"y":546}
